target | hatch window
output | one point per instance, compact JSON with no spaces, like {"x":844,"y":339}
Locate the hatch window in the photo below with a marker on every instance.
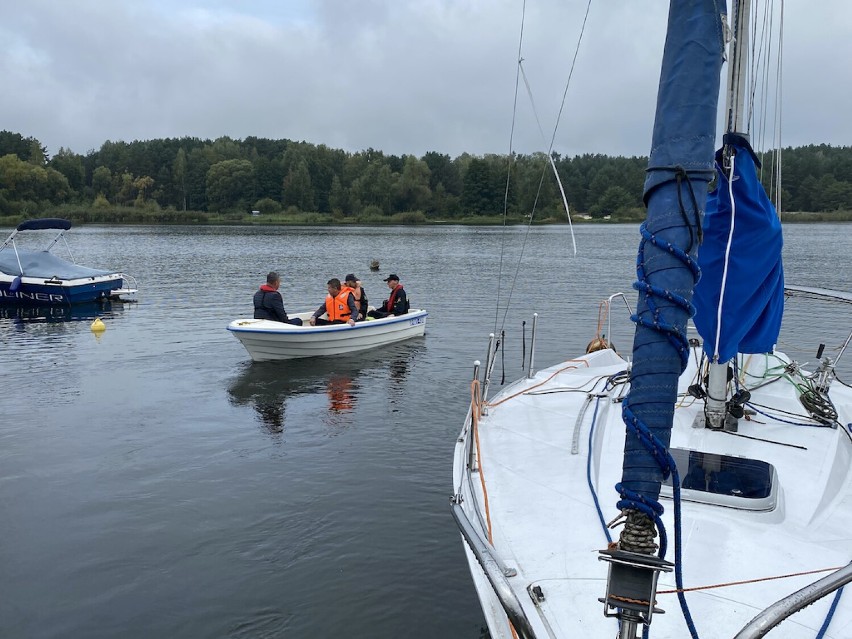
{"x":736,"y":482}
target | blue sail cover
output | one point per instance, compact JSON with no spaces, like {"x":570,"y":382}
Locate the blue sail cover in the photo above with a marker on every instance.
{"x":753,"y":299}
{"x":679,"y":170}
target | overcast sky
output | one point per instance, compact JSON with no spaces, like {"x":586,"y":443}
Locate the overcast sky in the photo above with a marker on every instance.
{"x":401,"y":76}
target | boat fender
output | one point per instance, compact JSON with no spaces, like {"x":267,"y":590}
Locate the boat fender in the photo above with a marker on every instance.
{"x":16,"y":284}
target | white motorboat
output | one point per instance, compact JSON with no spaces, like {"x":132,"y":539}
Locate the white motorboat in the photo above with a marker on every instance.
{"x":269,"y":340}
{"x":732,"y":463}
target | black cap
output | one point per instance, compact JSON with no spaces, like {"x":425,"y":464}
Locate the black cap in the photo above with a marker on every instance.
{"x":392,"y":276}
{"x":350,"y":278}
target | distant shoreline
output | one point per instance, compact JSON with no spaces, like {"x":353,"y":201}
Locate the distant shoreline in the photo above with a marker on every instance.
{"x":147,"y":217}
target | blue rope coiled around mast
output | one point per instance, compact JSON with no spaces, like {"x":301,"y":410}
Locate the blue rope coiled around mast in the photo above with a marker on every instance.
{"x":681,"y":163}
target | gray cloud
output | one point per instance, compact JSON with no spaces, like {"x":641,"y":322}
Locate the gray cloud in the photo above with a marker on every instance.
{"x":403,"y":76}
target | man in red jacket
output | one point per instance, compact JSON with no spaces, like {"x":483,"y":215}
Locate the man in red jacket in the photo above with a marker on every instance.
{"x":268,"y":303}
{"x":396,"y":304}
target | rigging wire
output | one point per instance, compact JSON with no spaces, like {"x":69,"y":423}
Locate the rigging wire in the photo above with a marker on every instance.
{"x":764,"y":110}
{"x":509,"y":173}
{"x":519,"y":74}
{"x":778,"y":106}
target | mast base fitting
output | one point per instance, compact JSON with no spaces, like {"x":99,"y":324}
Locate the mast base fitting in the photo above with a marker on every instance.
{"x":631,"y":585}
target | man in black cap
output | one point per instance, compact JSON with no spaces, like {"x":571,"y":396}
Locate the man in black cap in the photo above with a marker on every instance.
{"x":396,"y":304}
{"x":359,"y":293}
{"x":268,"y":303}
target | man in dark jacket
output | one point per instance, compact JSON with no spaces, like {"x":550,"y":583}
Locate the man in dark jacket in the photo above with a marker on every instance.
{"x":268,"y":303}
{"x":396,"y":304}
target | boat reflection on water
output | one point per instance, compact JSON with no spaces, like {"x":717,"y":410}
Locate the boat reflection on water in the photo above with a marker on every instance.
{"x":270,"y":386}
{"x":341,"y":393}
{"x":20,"y":317}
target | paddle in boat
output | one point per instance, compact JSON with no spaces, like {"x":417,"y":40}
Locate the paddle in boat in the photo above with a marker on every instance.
{"x":269,"y":340}
{"x":42,"y":278}
{"x":708,"y":476}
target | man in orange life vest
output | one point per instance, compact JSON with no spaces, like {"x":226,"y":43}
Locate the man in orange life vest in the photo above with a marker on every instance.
{"x":360,"y":295}
{"x":339,"y":304}
{"x":396,"y":304}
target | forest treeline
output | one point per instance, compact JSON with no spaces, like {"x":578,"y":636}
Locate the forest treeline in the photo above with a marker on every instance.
{"x":193,"y":180}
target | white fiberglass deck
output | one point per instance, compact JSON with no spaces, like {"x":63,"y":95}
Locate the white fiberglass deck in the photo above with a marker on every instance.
{"x":534,"y":446}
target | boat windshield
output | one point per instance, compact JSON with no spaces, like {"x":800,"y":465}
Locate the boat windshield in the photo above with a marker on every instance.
{"x":736,"y":482}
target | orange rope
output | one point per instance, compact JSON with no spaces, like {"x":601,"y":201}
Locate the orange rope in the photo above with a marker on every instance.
{"x":603,"y":311}
{"x":475,"y":411}
{"x":526,"y":390}
{"x":746,"y":581}
{"x":475,"y":408}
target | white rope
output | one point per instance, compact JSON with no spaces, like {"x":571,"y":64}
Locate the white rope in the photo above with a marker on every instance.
{"x":564,"y":202}
{"x":727,"y":261}
{"x":550,"y":155}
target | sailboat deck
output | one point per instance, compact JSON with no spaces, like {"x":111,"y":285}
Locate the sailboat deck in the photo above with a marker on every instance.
{"x":534,"y":448}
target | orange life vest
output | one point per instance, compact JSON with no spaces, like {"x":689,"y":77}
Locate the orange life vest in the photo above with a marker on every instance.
{"x":337,"y":307}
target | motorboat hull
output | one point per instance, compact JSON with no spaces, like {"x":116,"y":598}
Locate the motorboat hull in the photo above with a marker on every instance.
{"x":267,"y":340}
{"x":41,"y":292}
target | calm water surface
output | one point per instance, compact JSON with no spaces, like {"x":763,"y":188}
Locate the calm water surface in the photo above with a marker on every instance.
{"x":156,"y":483}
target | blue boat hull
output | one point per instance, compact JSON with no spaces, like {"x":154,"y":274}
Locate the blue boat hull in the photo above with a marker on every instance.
{"x":58,"y":294}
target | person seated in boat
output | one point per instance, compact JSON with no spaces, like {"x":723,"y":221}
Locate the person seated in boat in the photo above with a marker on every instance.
{"x":339,"y":304}
{"x":360,"y":295}
{"x":397,"y":302}
{"x":268,"y":304}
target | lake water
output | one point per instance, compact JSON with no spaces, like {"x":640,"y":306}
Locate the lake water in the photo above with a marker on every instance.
{"x":156,"y":483}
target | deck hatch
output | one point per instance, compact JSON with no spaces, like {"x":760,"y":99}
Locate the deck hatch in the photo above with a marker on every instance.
{"x":724,"y":480}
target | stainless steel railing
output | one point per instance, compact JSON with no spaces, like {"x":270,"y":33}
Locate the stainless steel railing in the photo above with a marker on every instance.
{"x":780,"y":610}
{"x":494,"y":572}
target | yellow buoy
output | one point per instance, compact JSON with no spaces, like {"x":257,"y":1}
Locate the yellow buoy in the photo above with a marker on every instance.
{"x":98,"y":326}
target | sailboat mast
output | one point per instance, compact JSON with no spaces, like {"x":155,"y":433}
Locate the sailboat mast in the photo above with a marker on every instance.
{"x":680,"y":167}
{"x":717,"y":380}
{"x":738,"y":70}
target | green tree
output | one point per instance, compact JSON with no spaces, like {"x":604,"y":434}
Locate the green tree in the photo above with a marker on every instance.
{"x":230,"y":185}
{"x":614,"y":200}
{"x":70,"y":165}
{"x":267,"y":206}
{"x":411,"y":190}
{"x":142,"y":185}
{"x":123,"y":188}
{"x":24,"y":181}
{"x":102,"y":182}
{"x":179,"y":175}
{"x":337,"y":197}
{"x":17,"y":144}
{"x":297,"y":190}
{"x":38,"y":155}
{"x":484,"y":187}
